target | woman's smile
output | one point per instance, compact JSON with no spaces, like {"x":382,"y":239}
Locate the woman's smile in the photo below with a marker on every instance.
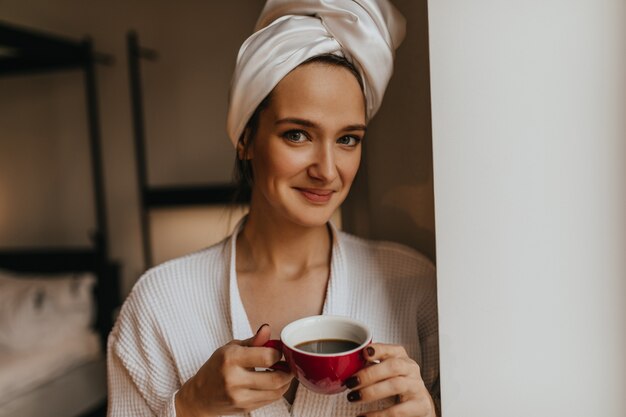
{"x":316,"y":195}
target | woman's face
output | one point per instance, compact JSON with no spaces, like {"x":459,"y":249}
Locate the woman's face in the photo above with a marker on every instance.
{"x":307,"y":148}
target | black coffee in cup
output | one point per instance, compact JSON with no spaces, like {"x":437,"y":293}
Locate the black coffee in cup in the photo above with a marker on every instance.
{"x":328,"y":346}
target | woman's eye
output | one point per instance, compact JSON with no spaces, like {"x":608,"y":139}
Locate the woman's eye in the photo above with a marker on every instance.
{"x":349,"y":140}
{"x":295,"y":136}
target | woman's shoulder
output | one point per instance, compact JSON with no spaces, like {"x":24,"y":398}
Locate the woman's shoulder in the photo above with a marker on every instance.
{"x":190,"y":265}
{"x":170,"y":286}
{"x":395,"y":258}
{"x":180,"y":274}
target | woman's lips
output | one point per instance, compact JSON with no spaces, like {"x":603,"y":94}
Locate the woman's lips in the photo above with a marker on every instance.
{"x":316,"y":195}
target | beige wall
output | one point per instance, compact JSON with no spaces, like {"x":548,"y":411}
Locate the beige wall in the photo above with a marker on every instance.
{"x":45,"y":183}
{"x":48,"y":200}
{"x":44,"y":169}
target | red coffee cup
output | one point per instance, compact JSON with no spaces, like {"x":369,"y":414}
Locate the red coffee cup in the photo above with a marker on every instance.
{"x":323,"y":373}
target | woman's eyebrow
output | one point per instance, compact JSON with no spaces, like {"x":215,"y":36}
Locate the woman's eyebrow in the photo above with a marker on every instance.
{"x":297,"y":121}
{"x":355,"y":127}
{"x":311,"y":124}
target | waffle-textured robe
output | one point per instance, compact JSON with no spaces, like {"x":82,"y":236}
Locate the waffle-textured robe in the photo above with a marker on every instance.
{"x":180,"y":312}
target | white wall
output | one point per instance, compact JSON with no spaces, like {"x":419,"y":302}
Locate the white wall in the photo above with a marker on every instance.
{"x":529,"y":138}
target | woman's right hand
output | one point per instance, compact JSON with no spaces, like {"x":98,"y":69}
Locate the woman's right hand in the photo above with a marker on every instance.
{"x":228,"y":384}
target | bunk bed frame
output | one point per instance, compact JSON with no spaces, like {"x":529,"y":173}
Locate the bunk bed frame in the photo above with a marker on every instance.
{"x":158,"y":196}
{"x":25,"y":51}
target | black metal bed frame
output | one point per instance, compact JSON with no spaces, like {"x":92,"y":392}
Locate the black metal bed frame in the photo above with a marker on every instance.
{"x":155,"y":196}
{"x":26,"y":51}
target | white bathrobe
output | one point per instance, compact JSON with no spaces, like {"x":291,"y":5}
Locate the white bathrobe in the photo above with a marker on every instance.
{"x":180,"y":312}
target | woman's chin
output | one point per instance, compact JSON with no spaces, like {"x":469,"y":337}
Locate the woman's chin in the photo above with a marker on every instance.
{"x":312,"y":216}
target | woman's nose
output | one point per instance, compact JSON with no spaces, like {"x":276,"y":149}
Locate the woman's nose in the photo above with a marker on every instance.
{"x":323,"y":166}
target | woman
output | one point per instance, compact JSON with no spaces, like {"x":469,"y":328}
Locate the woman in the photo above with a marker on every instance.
{"x":184,"y":343}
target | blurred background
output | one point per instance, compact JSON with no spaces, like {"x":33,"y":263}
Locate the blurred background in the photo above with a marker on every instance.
{"x":72,"y":177}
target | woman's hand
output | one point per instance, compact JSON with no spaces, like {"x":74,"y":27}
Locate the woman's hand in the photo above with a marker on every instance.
{"x":396,"y":375}
{"x":228,"y":384}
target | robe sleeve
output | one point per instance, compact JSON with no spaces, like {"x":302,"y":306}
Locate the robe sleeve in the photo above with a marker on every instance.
{"x":142,"y":378}
{"x":427,"y":322}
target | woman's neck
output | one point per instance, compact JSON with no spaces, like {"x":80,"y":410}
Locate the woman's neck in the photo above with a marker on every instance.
{"x":277,"y":246}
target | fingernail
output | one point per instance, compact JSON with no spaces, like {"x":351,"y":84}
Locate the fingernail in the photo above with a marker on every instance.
{"x":370,"y":351}
{"x":354,"y":396}
{"x":262,"y":326}
{"x":352,"y":382}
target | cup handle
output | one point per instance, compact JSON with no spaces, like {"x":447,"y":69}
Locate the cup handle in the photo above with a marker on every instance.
{"x":280,"y":365}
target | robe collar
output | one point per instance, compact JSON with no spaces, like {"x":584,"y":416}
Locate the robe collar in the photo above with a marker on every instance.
{"x":336,"y":289}
{"x":306,"y":403}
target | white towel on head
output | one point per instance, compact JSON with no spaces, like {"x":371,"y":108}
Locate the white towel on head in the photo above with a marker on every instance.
{"x":366,"y":32}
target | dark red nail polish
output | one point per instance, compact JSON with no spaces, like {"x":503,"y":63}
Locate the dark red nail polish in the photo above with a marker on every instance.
{"x":262,"y":326}
{"x":354,"y":396}
{"x":352,"y":382}
{"x":370,"y":351}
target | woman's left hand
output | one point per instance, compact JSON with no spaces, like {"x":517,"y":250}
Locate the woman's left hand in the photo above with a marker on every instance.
{"x":396,"y":375}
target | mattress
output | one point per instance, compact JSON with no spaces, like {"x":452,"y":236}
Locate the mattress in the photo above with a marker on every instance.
{"x":55,"y":381}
